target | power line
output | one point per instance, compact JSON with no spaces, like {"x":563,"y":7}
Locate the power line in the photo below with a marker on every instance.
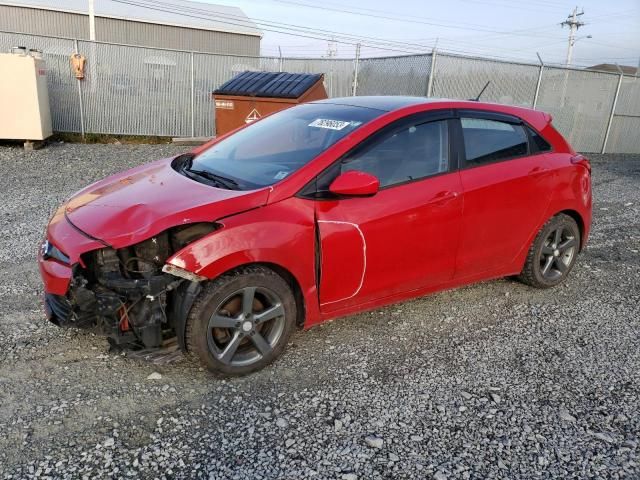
{"x":415,"y":20}
{"x":372,"y":43}
{"x":300,"y":31}
{"x":608,"y":16}
{"x":282,"y":31}
{"x":511,"y":5}
{"x":635,"y":49}
{"x":384,"y":14}
{"x":304,"y":28}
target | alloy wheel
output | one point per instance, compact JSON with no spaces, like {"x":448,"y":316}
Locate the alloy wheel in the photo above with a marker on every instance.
{"x":558,"y":251}
{"x":246,"y":326}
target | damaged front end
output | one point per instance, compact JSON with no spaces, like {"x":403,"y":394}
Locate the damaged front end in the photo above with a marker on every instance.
{"x":131,"y":294}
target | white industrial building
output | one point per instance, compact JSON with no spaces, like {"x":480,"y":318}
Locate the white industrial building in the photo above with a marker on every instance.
{"x":178,"y":24}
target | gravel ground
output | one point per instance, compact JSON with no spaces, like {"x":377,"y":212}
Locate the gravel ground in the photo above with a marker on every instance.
{"x":496,"y":380}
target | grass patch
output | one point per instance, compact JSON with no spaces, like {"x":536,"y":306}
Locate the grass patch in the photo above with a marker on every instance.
{"x":104,"y":138}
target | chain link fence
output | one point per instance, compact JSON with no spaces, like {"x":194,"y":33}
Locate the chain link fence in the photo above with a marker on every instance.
{"x":580,"y":102}
{"x":132,"y":90}
{"x":625,"y":124}
{"x":406,"y":75}
{"x":150,"y":91}
{"x":462,"y":77}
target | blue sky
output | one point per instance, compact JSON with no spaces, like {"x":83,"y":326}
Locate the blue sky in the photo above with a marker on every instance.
{"x":498,"y":28}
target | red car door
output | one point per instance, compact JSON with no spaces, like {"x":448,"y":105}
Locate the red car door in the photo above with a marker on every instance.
{"x":406,"y":236}
{"x":507,"y":188}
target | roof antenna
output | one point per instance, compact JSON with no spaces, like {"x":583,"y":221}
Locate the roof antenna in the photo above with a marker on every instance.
{"x":481,"y":92}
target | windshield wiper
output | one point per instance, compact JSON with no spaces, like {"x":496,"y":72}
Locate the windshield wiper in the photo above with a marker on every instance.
{"x":219,"y":179}
{"x":186,"y":161}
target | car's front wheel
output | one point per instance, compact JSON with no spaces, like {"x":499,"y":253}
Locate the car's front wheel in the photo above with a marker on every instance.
{"x":241,"y":321}
{"x":553,"y":253}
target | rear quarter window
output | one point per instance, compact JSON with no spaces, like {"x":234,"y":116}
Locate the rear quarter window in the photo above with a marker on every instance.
{"x":538,"y":144}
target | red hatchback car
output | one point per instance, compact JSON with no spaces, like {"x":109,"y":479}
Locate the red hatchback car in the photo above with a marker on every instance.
{"x":319,"y":211}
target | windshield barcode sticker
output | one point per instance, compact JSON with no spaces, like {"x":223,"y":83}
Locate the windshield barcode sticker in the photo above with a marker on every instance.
{"x":330,"y":124}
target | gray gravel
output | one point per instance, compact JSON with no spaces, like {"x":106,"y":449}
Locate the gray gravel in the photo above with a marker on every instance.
{"x":495,"y":380}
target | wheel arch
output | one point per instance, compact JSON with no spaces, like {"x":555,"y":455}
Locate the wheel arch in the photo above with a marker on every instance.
{"x":575,"y":214}
{"x":279,"y":236}
{"x":579,"y":220}
{"x":191,"y":290}
{"x":532,"y":273}
{"x":292,"y":281}
{"x":286,"y":275}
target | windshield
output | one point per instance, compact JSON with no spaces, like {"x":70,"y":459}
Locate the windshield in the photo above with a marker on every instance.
{"x":271,"y":149}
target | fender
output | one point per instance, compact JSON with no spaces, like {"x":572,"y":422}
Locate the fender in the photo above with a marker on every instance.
{"x":281,"y":234}
{"x":576,"y":194}
{"x":575,"y":197}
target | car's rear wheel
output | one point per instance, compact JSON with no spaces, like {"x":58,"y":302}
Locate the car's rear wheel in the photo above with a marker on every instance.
{"x":553,"y":253}
{"x":241,"y":321}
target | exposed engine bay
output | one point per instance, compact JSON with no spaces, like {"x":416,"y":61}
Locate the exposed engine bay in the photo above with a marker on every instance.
{"x":126,"y":295}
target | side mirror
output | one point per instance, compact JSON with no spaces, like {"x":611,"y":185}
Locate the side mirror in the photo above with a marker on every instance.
{"x":355,"y":184}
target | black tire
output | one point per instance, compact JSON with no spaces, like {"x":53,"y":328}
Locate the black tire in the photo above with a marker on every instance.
{"x":553,"y":253}
{"x":229,"y":329}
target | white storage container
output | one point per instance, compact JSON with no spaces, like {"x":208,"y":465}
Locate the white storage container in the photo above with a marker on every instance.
{"x":24,"y":98}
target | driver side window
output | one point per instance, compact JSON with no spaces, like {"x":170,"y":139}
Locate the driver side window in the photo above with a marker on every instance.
{"x":409,"y":153}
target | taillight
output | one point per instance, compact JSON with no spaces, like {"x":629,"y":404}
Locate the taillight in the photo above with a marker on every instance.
{"x":581,"y":160}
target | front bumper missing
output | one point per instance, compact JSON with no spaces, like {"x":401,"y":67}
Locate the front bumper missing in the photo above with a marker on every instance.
{"x":58,"y":309}
{"x":60,"y":312}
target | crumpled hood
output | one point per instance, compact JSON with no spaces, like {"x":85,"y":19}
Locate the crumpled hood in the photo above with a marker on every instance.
{"x":136,"y":204}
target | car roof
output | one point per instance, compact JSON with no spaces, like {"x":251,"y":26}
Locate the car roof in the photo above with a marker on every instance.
{"x":389,"y":103}
{"x":385,"y":103}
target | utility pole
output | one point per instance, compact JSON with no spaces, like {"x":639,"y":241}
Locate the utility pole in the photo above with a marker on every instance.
{"x":574,"y":23}
{"x":355,"y":70}
{"x":92,"y":20}
{"x":332,"y":48}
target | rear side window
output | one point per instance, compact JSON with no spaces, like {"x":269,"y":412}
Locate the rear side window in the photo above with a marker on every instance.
{"x":491,"y":140}
{"x":538,"y":144}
